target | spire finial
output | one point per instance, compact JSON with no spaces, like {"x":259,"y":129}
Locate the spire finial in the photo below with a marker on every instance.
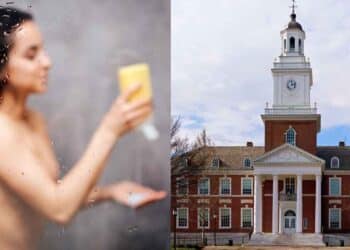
{"x":293,"y":7}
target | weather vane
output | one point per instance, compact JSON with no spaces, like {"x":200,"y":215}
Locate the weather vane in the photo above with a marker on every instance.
{"x":293,"y":7}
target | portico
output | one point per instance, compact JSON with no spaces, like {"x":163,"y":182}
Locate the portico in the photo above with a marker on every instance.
{"x":289,"y":165}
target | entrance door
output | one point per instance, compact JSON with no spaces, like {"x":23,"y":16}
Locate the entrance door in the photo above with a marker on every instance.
{"x":289,"y":222}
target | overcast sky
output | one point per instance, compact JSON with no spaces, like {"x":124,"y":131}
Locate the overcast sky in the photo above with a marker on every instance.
{"x":222,"y":54}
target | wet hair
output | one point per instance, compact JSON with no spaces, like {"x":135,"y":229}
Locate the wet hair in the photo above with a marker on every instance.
{"x":10,"y":19}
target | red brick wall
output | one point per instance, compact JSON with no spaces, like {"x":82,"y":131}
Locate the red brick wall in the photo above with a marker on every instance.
{"x":345,"y":204}
{"x":306,"y":134}
{"x":309,"y":213}
{"x":213,"y":205}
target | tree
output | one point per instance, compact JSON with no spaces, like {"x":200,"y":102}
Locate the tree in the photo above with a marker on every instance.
{"x":178,"y":144}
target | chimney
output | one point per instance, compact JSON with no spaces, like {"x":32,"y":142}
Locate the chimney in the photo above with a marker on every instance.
{"x":342,"y":144}
{"x":250,"y":144}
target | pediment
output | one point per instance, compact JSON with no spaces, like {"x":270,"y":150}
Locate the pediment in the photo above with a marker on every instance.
{"x":288,"y":154}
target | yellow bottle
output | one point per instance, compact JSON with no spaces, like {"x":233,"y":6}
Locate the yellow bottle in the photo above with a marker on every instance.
{"x":136,"y":73}
{"x":139,"y":73}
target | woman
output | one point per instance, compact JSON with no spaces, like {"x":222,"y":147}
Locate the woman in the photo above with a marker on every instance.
{"x":30,"y":192}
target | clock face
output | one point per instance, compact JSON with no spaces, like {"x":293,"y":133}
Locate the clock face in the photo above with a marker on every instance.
{"x":291,"y":84}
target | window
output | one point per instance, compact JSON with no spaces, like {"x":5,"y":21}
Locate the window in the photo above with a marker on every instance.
{"x":334,"y":218}
{"x":285,"y":44}
{"x":290,"y":136}
{"x":300,"y":48}
{"x":184,"y":162}
{"x":292,"y":44}
{"x":246,"y":217}
{"x":203,"y":217}
{"x":247,"y":163}
{"x":182,"y":186}
{"x":225,"y":217}
{"x":246,"y":186}
{"x":182,"y":218}
{"x":215,"y":163}
{"x":290,"y":185}
{"x":203,"y":186}
{"x":225,"y":186}
{"x":334,"y":162}
{"x":334,"y":186}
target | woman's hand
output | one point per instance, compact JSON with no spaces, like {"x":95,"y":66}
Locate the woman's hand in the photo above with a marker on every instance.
{"x":124,"y":116}
{"x":133,"y":195}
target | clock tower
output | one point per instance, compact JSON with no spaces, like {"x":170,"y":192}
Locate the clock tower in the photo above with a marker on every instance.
{"x":291,"y":119}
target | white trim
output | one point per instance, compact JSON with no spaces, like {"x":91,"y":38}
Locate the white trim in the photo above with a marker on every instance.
{"x":198,"y":219}
{"x":230,"y":211}
{"x":199,"y":188}
{"x":251,"y":186}
{"x":329,"y":217}
{"x":177,"y":218}
{"x":308,"y":155}
{"x":329,"y":186}
{"x":223,"y":178}
{"x":335,"y":158}
{"x":290,"y":170}
{"x":251,"y":216}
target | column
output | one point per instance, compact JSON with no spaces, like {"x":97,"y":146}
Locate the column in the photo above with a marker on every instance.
{"x":318,"y":205}
{"x":299,"y":219}
{"x":257,"y":204}
{"x":275,"y":205}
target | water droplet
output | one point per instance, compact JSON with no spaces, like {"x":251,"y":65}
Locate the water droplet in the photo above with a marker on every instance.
{"x":132,"y":229}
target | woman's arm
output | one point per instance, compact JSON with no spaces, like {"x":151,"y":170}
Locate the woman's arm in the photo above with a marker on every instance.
{"x":22,"y":172}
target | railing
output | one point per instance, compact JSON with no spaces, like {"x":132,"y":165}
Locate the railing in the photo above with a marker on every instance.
{"x":209,"y":240}
{"x":288,"y":197}
{"x":291,"y":110}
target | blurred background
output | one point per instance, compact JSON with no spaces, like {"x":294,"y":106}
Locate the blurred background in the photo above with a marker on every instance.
{"x":87,"y":41}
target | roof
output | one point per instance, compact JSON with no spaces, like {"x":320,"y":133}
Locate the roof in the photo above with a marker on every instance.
{"x":230,"y":157}
{"x":293,"y":24}
{"x":342,"y":152}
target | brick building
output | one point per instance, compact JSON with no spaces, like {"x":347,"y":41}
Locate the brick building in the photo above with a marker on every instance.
{"x":288,"y":186}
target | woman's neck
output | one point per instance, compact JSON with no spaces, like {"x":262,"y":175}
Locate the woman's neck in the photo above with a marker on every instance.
{"x":13,"y":104}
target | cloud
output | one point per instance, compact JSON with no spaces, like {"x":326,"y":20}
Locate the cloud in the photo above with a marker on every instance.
{"x":222,"y":53}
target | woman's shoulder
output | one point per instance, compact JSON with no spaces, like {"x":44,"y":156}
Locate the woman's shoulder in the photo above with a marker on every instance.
{"x":37,"y":119}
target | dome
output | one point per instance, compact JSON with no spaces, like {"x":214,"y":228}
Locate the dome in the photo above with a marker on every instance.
{"x":293,"y":24}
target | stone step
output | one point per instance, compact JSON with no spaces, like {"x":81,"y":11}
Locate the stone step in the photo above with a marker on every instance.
{"x":268,"y":239}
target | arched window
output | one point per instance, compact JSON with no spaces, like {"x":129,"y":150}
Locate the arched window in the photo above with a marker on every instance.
{"x":334,"y":162}
{"x":247,"y":163}
{"x":290,"y":136}
{"x":292,"y":44}
{"x":300,"y":49}
{"x":289,"y":213}
{"x":285,"y":44}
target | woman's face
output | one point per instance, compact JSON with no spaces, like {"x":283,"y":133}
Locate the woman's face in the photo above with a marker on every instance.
{"x":28,"y":64}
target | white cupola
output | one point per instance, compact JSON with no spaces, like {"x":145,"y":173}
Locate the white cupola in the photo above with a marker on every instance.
{"x":293,"y":37}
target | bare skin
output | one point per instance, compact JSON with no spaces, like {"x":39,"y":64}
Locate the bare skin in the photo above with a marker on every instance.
{"x":30,"y":191}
